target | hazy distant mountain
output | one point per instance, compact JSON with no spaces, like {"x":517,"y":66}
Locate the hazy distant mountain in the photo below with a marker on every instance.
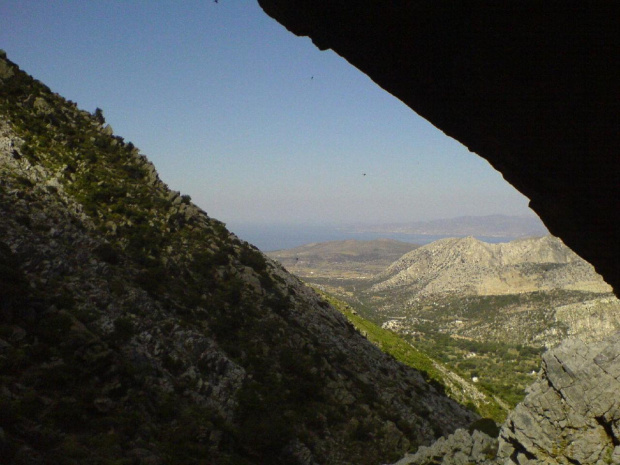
{"x":350,"y":258}
{"x":532,"y":290}
{"x":478,"y":226}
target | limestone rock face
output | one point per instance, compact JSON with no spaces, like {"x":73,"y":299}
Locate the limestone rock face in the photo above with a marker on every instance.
{"x":471,"y":266}
{"x":572,"y":413}
{"x":528,"y":291}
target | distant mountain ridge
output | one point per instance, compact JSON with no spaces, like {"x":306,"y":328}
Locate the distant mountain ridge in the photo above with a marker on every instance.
{"x":500,"y":226}
{"x":529,"y":291}
{"x":472,"y":266}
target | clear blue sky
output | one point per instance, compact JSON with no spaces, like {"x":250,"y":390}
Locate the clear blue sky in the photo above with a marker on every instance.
{"x":256,"y":124}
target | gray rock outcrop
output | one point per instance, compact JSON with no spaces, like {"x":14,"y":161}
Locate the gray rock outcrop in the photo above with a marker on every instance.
{"x":572,"y":413}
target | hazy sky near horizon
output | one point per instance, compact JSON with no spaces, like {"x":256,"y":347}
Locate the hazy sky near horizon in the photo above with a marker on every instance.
{"x":256,"y":124}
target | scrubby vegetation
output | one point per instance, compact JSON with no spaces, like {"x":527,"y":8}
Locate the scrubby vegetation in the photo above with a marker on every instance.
{"x":136,"y":329}
{"x":429,"y":363}
{"x":388,"y":342}
{"x":500,"y":369}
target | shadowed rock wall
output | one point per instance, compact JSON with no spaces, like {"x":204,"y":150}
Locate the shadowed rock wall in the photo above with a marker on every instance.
{"x":532,"y":86}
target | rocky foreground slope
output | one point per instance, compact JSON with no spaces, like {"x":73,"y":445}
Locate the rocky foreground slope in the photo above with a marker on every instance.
{"x":136,"y":329}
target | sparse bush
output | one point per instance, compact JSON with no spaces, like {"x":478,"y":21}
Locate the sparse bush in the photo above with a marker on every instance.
{"x":134,"y":172}
{"x":486,"y":426}
{"x":205,"y":262}
{"x":253,"y":258}
{"x":173,"y":365}
{"x":52,"y":328}
{"x":124,"y":329}
{"x":152,"y":280}
{"x":98,"y":115}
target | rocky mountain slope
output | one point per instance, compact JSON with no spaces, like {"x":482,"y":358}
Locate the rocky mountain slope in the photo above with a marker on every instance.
{"x":529,"y":291}
{"x":136,"y":329}
{"x":571,"y":414}
{"x":342,"y":259}
{"x":471,"y":266}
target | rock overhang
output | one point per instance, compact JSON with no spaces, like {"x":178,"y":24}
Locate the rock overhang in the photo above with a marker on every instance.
{"x":532,"y":86}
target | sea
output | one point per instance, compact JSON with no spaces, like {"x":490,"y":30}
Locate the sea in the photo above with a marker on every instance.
{"x":271,"y":237}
